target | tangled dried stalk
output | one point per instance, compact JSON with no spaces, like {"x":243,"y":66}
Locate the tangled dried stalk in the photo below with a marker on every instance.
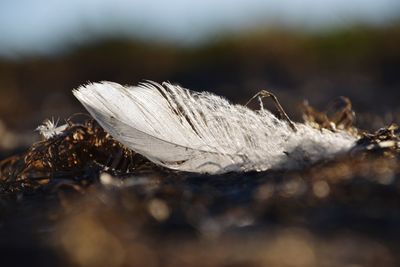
{"x":83,"y":149}
{"x":339,"y":115}
{"x":80,"y":151}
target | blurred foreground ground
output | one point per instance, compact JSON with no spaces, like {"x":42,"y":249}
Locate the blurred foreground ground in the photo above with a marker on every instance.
{"x":81,"y":199}
{"x":340,"y":213}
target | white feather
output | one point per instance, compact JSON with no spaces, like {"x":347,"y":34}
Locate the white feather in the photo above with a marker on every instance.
{"x":201,"y":132}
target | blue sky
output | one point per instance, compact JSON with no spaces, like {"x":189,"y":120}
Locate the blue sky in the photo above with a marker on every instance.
{"x":47,"y":25}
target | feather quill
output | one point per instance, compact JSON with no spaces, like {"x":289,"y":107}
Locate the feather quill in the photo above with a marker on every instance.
{"x":202,"y":132}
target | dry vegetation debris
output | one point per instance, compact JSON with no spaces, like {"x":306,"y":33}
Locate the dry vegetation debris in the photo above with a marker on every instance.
{"x":333,"y":213}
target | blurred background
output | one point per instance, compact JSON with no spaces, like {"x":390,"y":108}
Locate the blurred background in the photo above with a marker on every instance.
{"x":339,"y":214}
{"x":310,"y":49}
